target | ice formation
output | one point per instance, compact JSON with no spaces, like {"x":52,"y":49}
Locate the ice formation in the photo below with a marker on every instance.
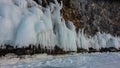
{"x":24,"y":22}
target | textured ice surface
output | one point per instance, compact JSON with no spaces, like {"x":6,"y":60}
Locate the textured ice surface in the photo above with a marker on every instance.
{"x":95,"y":60}
{"x":24,"y":22}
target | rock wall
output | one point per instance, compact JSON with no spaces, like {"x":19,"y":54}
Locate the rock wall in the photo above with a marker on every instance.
{"x":94,"y":15}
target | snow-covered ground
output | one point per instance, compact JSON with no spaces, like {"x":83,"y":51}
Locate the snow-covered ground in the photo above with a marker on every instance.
{"x":93,"y":60}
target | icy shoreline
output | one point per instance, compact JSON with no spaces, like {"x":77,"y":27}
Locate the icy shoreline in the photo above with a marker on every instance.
{"x":32,"y":50}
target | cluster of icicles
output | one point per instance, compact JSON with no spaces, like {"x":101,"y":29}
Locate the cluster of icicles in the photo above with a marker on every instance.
{"x":24,"y":22}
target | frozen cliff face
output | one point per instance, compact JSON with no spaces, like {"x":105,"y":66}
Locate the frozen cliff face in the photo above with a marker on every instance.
{"x":29,"y":23}
{"x":24,"y":22}
{"x":10,"y":17}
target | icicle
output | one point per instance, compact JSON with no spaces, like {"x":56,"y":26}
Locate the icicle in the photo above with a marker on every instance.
{"x":83,"y":42}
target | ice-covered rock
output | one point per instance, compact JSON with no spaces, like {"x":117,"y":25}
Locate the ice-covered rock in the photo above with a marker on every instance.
{"x":24,"y":22}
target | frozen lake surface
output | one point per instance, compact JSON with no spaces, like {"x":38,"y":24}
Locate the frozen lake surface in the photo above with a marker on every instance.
{"x":93,"y":60}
